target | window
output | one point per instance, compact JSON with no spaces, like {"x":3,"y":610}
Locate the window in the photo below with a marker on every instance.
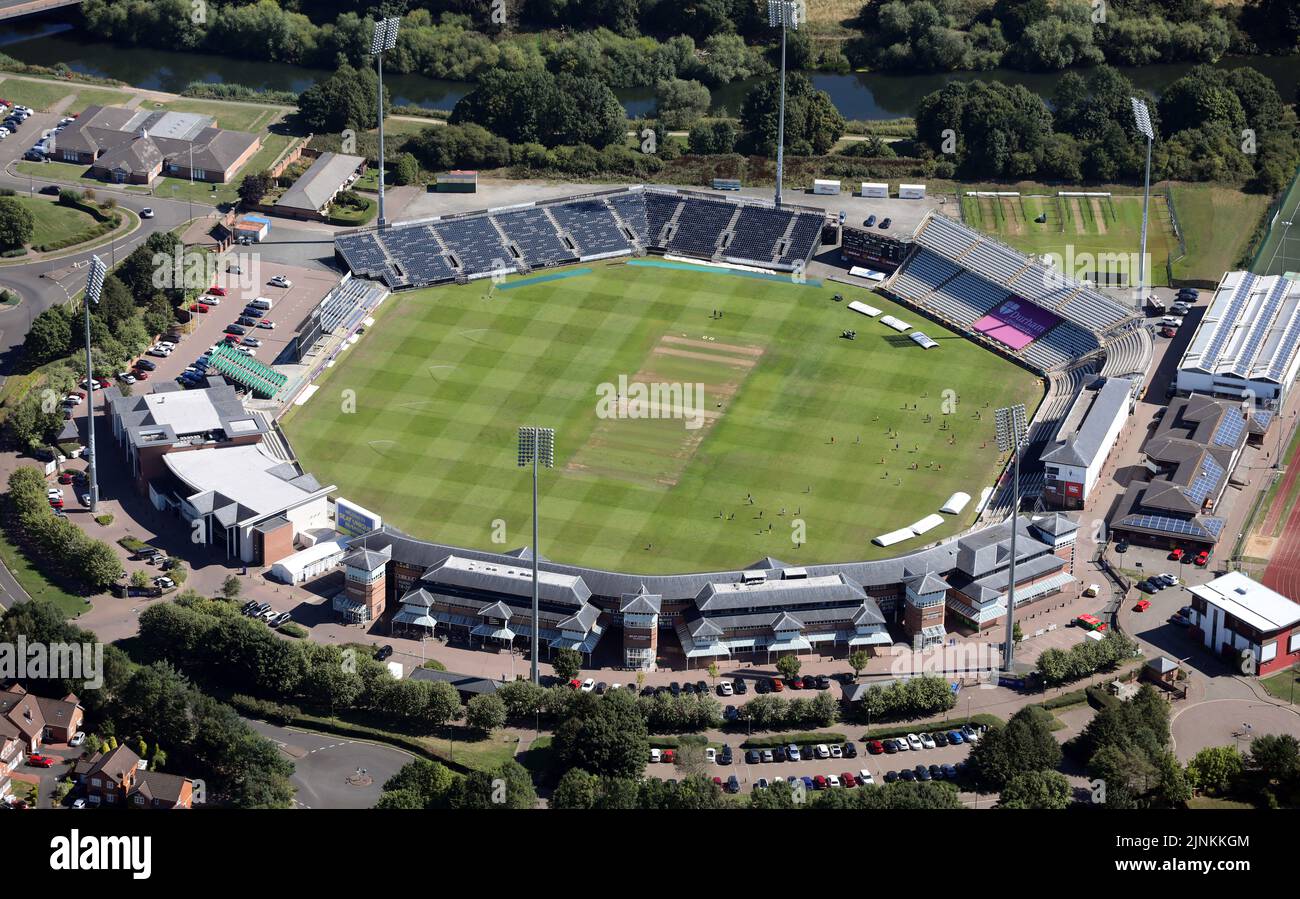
{"x":139,"y":800}
{"x":95,"y":781}
{"x":1294,"y":644}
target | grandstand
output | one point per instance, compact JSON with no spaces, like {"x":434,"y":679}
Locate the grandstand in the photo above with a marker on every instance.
{"x":1014,"y":303}
{"x":264,"y":381}
{"x":342,"y":307}
{"x":624,"y":222}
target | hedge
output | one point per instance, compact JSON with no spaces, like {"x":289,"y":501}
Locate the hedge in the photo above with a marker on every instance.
{"x":885,"y":733}
{"x":799,"y":738}
{"x":293,"y":629}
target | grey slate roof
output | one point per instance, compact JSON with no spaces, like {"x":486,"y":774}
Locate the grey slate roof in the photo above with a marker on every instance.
{"x":641,"y":603}
{"x":321,"y":182}
{"x":366,"y":559}
{"x":721,"y":597}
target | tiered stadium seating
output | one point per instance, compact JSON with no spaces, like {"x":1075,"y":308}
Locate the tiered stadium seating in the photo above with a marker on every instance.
{"x":965,"y":299}
{"x":805,"y":238}
{"x":362,"y":253}
{"x":659,"y":211}
{"x":756,"y":233}
{"x":631,"y":208}
{"x":700,"y":227}
{"x":592,"y":227}
{"x":418,"y":253}
{"x":535,"y":236}
{"x":475,"y":243}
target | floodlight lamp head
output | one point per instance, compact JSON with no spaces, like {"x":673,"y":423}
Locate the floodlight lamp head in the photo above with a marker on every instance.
{"x":385,"y":35}
{"x":783,"y":12}
{"x":95,"y":279}
{"x":1142,"y":116}
{"x":536,"y":443}
{"x":1011,"y":427}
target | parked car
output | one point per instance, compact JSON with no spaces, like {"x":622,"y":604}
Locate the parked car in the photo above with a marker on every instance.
{"x":588,"y":685}
{"x":890,"y":746}
{"x":770,"y":755}
{"x":1177,"y":554}
{"x":885,"y":223}
{"x":384,"y":652}
{"x":1202,"y":558}
{"x":655,"y":755}
{"x":40,"y":761}
{"x":740,"y":687}
{"x":217,"y":291}
{"x":792,"y":753}
{"x":869,"y":222}
{"x":914,"y":742}
{"x":752,"y":756}
{"x":710,"y":755}
{"x":733,"y":784}
{"x":266,"y":323}
{"x":145,"y":364}
{"x":146,"y":213}
{"x":849,"y":751}
{"x":77,"y":739}
{"x":280,"y":281}
{"x":927,"y":741}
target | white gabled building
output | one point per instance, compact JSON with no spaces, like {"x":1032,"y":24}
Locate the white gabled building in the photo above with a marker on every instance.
{"x":1073,"y":460}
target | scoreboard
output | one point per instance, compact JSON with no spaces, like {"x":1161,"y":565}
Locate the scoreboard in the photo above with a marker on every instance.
{"x":877,"y":250}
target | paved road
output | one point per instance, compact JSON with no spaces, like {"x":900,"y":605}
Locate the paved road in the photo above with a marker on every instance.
{"x":332,"y":771}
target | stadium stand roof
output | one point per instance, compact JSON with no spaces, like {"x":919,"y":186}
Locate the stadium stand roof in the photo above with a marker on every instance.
{"x":1083,"y":430}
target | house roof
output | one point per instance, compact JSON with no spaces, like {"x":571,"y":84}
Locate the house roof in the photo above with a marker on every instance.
{"x":115,"y":764}
{"x":321,"y":182}
{"x":167,"y":136}
{"x":158,"y":786}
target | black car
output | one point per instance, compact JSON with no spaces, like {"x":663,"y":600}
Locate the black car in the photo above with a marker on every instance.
{"x":907,"y":774}
{"x":235,"y":329}
{"x":936,"y":772}
{"x":823,"y":682}
{"x":1188,"y":294}
{"x":725,"y":757}
{"x":647,"y":691}
{"x":779,"y":754}
{"x":688,"y":688}
{"x":761,"y":687}
{"x":885,"y":223}
{"x":248,"y":321}
{"x":751,"y":756}
{"x":739,"y":687}
{"x":676,"y":688}
{"x":733,"y":785}
{"x":1121,"y":547}
{"x":702,"y":688}
{"x":923,"y":773}
{"x":49,"y":189}
{"x":730,"y":713}
{"x":940,"y":738}
{"x":384,"y":652}
{"x":891,"y":776}
{"x":890,"y":747}
{"x":601,"y":688}
{"x":850,"y":751}
{"x":870,"y":222}
{"x":146,"y":365}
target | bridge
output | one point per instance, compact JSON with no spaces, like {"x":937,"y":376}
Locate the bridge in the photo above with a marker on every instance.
{"x":12,"y":9}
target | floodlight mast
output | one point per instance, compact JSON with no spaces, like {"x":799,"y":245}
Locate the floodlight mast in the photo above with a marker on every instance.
{"x":1142,"y":117}
{"x":385,"y":38}
{"x":94,"y":285}
{"x":536,"y":447}
{"x":784,"y":13}
{"x":1010,"y":431}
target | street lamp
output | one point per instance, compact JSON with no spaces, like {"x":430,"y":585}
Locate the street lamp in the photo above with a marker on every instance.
{"x":1143,"y":119}
{"x":94,"y":285}
{"x":783,"y":14}
{"x":385,"y":38}
{"x":1011,"y":429}
{"x":536,"y":447}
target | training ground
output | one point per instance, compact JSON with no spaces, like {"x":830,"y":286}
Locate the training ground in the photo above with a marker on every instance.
{"x":1089,"y":225}
{"x":418,"y":420}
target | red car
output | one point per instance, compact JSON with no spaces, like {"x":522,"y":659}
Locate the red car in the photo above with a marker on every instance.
{"x":777,"y":686}
{"x":141,"y":374}
{"x":575,"y":684}
{"x":217,"y":291}
{"x":819,"y":781}
{"x":200,"y":307}
{"x":1202,"y":558}
{"x":105,"y":383}
{"x":40,"y":761}
{"x":1177,"y":554}
{"x":670,"y":757}
{"x":795,"y":683}
{"x":848,"y":780}
{"x":65,"y":477}
{"x":1143,"y":605}
{"x":56,"y":504}
{"x":875,"y":747}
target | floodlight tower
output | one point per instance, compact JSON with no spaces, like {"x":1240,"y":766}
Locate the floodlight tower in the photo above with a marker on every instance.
{"x":1143,"y":118}
{"x":94,"y":284}
{"x":536,"y":447}
{"x":785,"y":14}
{"x":385,"y":38}
{"x":1011,"y":430}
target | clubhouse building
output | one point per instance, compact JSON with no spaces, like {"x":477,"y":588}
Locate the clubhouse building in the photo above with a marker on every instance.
{"x":483,"y":600}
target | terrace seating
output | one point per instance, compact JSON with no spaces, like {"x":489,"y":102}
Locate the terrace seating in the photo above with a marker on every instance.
{"x":532,"y":232}
{"x":362,"y":253}
{"x":757,"y":231}
{"x":660,"y":209}
{"x":591,"y":225}
{"x":631,"y":208}
{"x":965,"y":299}
{"x":475,"y":243}
{"x":994,"y":262}
{"x":417,"y":251}
{"x":699,"y":228}
{"x":804,"y":239}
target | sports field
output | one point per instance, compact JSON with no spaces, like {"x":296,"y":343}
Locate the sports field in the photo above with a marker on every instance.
{"x":1280,"y":252}
{"x":418,"y":421}
{"x":1081,"y":229}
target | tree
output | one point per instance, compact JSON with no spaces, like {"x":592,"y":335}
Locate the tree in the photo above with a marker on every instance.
{"x":50,"y":336}
{"x":17,"y":224}
{"x":714,"y":672}
{"x":254,"y":187}
{"x":428,"y":782}
{"x":1036,"y":790}
{"x":1025,"y":744}
{"x":139,"y":578}
{"x":508,"y":786}
{"x":812,"y":123}
{"x":443,"y":705}
{"x":1215,"y":769}
{"x":859,"y":659}
{"x":680,"y":103}
{"x":605,"y":735}
{"x":576,"y":790}
{"x":711,"y":138}
{"x":485,"y":713}
{"x":567,"y":664}
{"x":788,"y":666}
{"x":405,"y":169}
{"x":345,"y":100}
{"x":231,"y":587}
{"x":534,"y":105}
{"x":97,"y":564}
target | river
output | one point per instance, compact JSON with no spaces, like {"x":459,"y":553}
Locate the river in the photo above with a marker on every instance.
{"x":867,"y":95}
